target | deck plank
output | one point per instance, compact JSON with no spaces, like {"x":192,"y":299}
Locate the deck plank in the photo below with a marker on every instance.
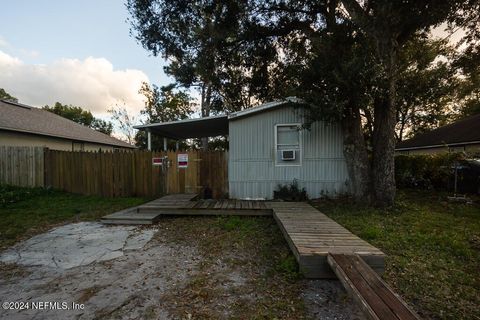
{"x":376,"y":298}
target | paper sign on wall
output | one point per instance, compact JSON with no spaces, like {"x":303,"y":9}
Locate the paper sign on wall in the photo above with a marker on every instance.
{"x":157,"y":161}
{"x":182,"y":160}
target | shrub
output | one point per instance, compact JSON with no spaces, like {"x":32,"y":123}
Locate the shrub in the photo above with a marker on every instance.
{"x":290,"y":192}
{"x":426,"y":171}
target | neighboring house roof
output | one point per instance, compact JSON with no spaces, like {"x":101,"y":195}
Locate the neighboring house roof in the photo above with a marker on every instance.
{"x":208,"y":126}
{"x":466,"y":131}
{"x":22,"y":118}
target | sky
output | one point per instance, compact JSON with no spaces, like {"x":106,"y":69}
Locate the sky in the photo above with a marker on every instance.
{"x":74,"y":52}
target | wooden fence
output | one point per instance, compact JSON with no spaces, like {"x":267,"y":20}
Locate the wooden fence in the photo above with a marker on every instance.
{"x":109,"y":174}
{"x":206,"y":169}
{"x":114,"y":173}
{"x":22,"y":166}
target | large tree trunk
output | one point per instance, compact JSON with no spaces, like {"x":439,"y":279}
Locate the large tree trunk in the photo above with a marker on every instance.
{"x":355,"y":152}
{"x":383,"y":162}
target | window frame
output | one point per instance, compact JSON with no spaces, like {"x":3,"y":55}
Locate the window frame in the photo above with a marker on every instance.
{"x":300,"y":145}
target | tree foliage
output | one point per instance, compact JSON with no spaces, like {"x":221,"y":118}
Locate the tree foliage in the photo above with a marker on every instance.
{"x":162,"y":104}
{"x":200,"y":39}
{"x":81,"y":116}
{"x":427,"y":87}
{"x":6,"y":96}
{"x":354,"y":62}
{"x":468,"y":64}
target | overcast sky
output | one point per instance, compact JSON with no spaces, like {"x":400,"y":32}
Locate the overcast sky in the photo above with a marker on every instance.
{"x":75,"y":52}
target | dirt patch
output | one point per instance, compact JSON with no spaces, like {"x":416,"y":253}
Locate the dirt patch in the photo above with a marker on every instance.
{"x":192,"y":268}
{"x":247,"y":271}
{"x":12,"y":271}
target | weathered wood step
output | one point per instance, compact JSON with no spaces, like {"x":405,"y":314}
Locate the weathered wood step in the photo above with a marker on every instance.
{"x":376,"y":298}
{"x":130,"y":216}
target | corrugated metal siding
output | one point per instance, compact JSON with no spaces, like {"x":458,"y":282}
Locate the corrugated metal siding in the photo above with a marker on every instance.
{"x":252,"y":170}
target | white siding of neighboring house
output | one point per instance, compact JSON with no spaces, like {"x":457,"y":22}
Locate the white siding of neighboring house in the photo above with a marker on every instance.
{"x":252,"y":169}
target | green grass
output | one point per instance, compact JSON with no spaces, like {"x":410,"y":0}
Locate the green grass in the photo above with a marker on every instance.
{"x":433,"y":249}
{"x":28,"y":211}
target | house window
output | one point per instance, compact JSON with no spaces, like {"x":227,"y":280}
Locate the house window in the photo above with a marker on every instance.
{"x":288,"y":145}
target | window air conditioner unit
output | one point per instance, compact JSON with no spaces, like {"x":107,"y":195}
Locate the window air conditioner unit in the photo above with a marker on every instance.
{"x":288,"y":155}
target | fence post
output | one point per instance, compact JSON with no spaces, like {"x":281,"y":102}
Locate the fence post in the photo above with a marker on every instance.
{"x":46,"y":170}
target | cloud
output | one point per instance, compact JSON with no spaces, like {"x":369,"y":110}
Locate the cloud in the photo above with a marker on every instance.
{"x":3,"y":42}
{"x":91,"y":83}
{"x":30,"y":53}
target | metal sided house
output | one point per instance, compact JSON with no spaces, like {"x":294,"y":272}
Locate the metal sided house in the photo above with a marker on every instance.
{"x":268,"y":147}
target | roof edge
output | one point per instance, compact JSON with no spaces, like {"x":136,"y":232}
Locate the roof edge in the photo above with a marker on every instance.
{"x":17,"y":104}
{"x":438,"y":145}
{"x":263,"y":107}
{"x":71,"y":138}
{"x":156,"y":124}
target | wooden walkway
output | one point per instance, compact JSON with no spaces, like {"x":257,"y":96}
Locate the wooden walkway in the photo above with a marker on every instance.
{"x":311,"y":235}
{"x":322,"y":247}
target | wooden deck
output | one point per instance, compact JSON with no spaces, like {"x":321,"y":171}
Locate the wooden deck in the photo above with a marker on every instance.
{"x":144,"y":215}
{"x":171,"y":201}
{"x":310,"y":234}
{"x":176,"y":206}
{"x":322,"y":247}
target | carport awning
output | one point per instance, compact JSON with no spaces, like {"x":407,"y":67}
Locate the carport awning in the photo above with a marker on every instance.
{"x":189,"y":128}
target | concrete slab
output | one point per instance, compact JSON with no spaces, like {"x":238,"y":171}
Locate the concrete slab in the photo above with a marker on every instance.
{"x":76,"y":245}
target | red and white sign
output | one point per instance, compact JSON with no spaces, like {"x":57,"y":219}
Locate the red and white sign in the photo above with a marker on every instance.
{"x":157,"y":161}
{"x":182,"y":160}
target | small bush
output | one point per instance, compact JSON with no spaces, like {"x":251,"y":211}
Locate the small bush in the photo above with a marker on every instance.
{"x":290,"y":192}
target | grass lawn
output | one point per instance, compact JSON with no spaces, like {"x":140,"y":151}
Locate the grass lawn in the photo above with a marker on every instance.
{"x":433,"y":249}
{"x":26,"y":211}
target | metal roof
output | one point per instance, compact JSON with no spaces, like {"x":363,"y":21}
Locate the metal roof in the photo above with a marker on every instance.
{"x":190,"y":128}
{"x":22,"y":118}
{"x":263,"y":107}
{"x":208,"y":126}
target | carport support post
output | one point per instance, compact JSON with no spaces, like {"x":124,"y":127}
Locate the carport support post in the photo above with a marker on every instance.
{"x":164,"y":144}
{"x":149,"y":140}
